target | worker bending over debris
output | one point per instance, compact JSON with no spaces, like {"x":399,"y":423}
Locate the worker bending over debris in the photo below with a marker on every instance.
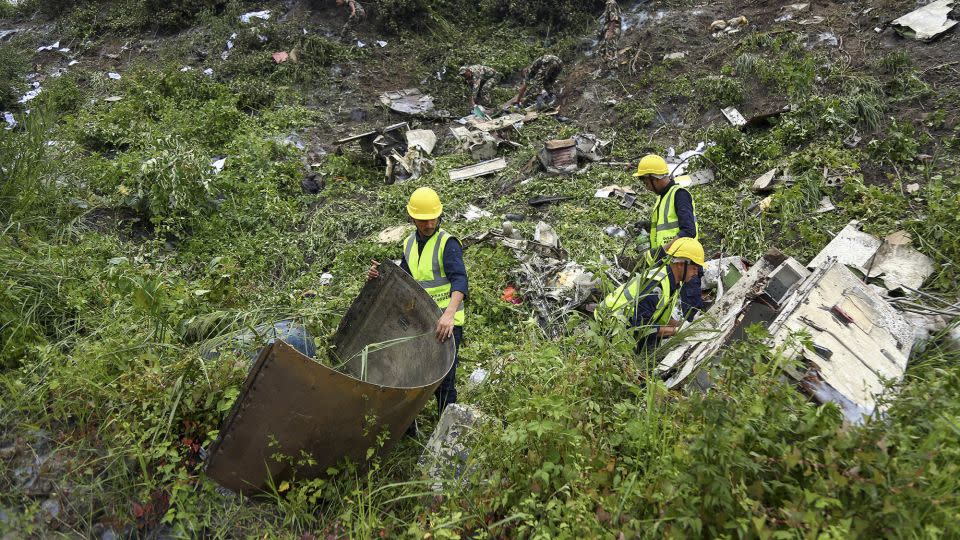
{"x":648,"y":299}
{"x":435,"y":259}
{"x":481,"y":80}
{"x":543,"y":74}
{"x":357,"y":14}
{"x":673,"y":217}
{"x":610,"y":32}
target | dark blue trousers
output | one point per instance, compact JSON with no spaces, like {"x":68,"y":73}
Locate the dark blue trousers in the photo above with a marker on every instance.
{"x":447,"y":391}
{"x":691,"y":298}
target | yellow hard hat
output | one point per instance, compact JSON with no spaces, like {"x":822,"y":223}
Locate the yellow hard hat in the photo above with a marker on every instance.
{"x":687,"y":248}
{"x":652,"y":164}
{"x":424,"y":204}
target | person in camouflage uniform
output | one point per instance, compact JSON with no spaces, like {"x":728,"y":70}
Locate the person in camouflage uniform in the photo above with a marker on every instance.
{"x":357,"y":14}
{"x":611,"y":30}
{"x":482,"y":81}
{"x":542,"y":74}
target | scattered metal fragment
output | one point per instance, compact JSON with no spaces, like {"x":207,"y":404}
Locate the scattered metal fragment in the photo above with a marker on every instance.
{"x":898,"y":264}
{"x":246,"y":18}
{"x":544,"y":234}
{"x":474,"y":213}
{"x":615,"y":232}
{"x":394,"y":235}
{"x":541,"y":200}
{"x":851,"y":247}
{"x":734,"y":116}
{"x":218,"y":164}
{"x":704,"y":176}
{"x":766,"y":182}
{"x":410,"y":101}
{"x":826,"y":205}
{"x":483,"y":168}
{"x":10,"y":120}
{"x":928,"y":22}
{"x":446,"y":456}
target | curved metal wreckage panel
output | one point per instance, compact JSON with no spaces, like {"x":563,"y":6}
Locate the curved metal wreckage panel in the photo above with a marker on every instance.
{"x":290,"y":404}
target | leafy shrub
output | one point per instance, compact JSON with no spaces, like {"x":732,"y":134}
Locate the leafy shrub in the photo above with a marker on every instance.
{"x":172,"y":185}
{"x":13,"y":65}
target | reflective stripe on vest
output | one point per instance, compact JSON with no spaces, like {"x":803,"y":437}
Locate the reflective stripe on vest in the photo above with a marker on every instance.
{"x":429,"y":271}
{"x":627,"y":296}
{"x":664,"y":222}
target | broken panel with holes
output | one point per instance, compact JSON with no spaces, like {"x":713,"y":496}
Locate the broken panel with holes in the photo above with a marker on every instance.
{"x":860,"y":341}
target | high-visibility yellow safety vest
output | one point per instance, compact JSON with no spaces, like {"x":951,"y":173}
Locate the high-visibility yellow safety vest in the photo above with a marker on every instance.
{"x":627,"y":296}
{"x":429,"y":272}
{"x":664,"y":223}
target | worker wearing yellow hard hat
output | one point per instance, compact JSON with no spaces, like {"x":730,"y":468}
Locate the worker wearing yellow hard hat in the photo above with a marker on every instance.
{"x":673,"y":216}
{"x":647,"y":301}
{"x":434,"y":258}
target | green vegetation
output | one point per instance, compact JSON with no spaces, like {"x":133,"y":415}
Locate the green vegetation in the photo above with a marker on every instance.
{"x":123,"y":250}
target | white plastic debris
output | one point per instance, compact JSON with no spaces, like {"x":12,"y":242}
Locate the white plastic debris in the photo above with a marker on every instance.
{"x":115,"y":76}
{"x":73,"y":63}
{"x":49,"y":47}
{"x":10,"y":120}
{"x":382,"y":43}
{"x":185,"y":69}
{"x":326,"y":278}
{"x":29,"y":96}
{"x":477,"y":378}
{"x":474,"y":213}
{"x":361,"y":44}
{"x":208,"y":72}
{"x":218,"y":165}
{"x":928,"y":22}
{"x":615,"y":232}
{"x":64,"y":50}
{"x":246,"y":18}
{"x":544,"y":234}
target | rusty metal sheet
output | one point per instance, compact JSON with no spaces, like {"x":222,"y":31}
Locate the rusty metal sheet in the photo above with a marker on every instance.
{"x":291,"y":404}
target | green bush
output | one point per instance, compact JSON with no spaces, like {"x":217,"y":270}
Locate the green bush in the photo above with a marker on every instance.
{"x":13,"y":64}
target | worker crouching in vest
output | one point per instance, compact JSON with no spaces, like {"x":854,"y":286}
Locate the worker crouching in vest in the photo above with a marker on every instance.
{"x":673,"y":216}
{"x":648,"y":299}
{"x":435,"y":260}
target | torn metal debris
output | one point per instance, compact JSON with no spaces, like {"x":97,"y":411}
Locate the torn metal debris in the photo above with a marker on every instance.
{"x":483,"y":168}
{"x":411,"y":101}
{"x":446,"y":456}
{"x":851,"y":247}
{"x":928,"y":22}
{"x":293,"y":405}
{"x":765,"y":183}
{"x":734,"y":116}
{"x":394,"y":235}
{"x":898,"y":264}
{"x":564,"y":156}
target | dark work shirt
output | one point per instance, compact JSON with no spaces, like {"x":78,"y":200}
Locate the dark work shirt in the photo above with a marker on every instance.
{"x":647,"y":308}
{"x":453,"y":265}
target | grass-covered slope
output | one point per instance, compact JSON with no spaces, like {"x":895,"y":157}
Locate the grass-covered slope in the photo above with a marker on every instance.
{"x":122,"y":250}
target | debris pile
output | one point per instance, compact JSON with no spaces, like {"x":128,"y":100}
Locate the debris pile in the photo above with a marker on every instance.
{"x":861,"y":334}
